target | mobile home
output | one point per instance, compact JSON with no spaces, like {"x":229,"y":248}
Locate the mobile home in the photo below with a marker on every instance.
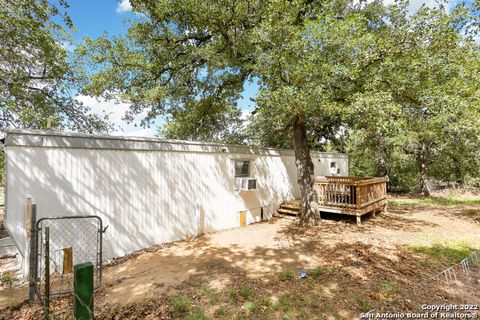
{"x":147,"y":190}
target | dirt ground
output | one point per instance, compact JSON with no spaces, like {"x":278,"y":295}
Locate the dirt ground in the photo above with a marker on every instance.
{"x":352,"y":269}
{"x":269,"y":247}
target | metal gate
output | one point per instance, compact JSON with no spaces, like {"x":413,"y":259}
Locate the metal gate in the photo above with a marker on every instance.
{"x":71,"y":240}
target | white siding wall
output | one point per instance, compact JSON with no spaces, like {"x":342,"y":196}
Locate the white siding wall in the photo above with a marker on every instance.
{"x":146,"y":197}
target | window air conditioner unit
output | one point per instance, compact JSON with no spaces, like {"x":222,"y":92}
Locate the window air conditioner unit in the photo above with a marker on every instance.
{"x":245,"y":183}
{"x":334,"y":171}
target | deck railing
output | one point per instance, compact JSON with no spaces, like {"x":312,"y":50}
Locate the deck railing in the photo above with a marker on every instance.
{"x":351,"y":193}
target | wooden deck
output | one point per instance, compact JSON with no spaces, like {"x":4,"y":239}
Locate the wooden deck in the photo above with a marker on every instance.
{"x":354,"y":196}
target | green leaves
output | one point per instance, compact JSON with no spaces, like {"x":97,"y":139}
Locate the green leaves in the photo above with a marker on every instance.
{"x":188,"y":53}
{"x":37,"y":79}
{"x":363,"y":75}
{"x":185,"y":53}
{"x":428,"y":77}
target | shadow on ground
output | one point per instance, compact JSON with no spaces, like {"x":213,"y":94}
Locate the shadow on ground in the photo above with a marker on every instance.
{"x":252,"y":272}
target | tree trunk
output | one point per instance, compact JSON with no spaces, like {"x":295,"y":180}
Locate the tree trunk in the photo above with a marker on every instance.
{"x":382,"y":166}
{"x":382,"y":162}
{"x":310,"y":213}
{"x":422,"y":160}
{"x":459,"y":176}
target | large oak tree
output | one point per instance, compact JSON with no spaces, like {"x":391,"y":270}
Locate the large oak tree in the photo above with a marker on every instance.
{"x":189,"y":60}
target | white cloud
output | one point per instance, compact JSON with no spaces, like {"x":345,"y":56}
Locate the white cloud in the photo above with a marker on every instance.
{"x":245,"y":115}
{"x":116,"y":112}
{"x":124,"y":6}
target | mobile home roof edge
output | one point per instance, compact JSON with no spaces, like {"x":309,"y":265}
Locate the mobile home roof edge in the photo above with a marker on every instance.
{"x":55,"y":139}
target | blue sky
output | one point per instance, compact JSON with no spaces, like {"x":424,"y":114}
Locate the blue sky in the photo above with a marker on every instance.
{"x":94,"y":17}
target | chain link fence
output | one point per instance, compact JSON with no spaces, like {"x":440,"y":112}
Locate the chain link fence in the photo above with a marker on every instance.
{"x":459,"y":279}
{"x":72,"y":240}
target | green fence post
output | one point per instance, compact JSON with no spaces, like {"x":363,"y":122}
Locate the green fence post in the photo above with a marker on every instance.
{"x":33,"y":258}
{"x":83,"y":286}
{"x":47,"y":273}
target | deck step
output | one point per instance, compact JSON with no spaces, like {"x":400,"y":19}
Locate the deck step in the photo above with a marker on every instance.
{"x":293,"y":203}
{"x":290,"y":207}
{"x":288,"y":212}
{"x":285,"y":216}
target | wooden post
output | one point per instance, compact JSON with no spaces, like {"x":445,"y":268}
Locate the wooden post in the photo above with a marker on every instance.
{"x":33,"y":258}
{"x":359,"y":220}
{"x":67,"y":260}
{"x":358,"y":190}
{"x":28,"y":217}
{"x":47,"y":273}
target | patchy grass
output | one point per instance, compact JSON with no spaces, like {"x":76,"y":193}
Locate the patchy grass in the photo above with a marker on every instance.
{"x":6,"y":279}
{"x":433,"y":201}
{"x":387,"y":288}
{"x":266,"y":302}
{"x":449,"y":251}
{"x":196,"y":315}
{"x":472,"y":212}
{"x":180,"y":304}
{"x":310,"y":283}
{"x":286,"y":274}
{"x":251,"y":307}
{"x":335,"y":315}
{"x":284,"y":303}
{"x":272,"y":298}
{"x":245,"y":292}
{"x":364,"y":304}
{"x":233,"y":294}
{"x":352,"y":271}
{"x":210,"y":294}
{"x":242,"y":293}
{"x":317,"y":272}
{"x":220,"y":312}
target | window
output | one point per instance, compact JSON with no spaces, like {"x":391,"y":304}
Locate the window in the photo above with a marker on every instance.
{"x":333,"y":164}
{"x":242,"y":168}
